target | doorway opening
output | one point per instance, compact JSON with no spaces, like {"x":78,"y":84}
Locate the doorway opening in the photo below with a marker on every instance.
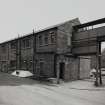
{"x":62,"y":69}
{"x":41,"y":68}
{"x":84,"y":67}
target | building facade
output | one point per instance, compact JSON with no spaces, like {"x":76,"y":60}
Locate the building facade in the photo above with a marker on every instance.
{"x":44,"y":53}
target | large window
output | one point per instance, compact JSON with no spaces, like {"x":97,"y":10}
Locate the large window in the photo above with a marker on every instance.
{"x":26,"y":43}
{"x":47,"y":38}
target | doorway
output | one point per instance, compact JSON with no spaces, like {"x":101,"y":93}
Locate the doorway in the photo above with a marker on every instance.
{"x":85,"y":67}
{"x":41,"y":68}
{"x":62,"y":69}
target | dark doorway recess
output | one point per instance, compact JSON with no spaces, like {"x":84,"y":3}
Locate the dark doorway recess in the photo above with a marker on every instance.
{"x":62,"y":69}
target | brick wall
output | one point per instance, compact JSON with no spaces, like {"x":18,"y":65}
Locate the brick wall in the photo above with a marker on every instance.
{"x":49,"y":47}
{"x":48,"y":64}
{"x":64,"y":34}
{"x":70,"y":69}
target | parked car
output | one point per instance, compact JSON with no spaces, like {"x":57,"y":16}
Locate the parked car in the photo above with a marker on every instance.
{"x":103,"y":71}
{"x":22,"y":73}
{"x":93,"y":72}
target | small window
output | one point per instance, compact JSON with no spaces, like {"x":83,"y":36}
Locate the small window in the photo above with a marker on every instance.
{"x":27,"y":43}
{"x":46,"y":39}
{"x":40,"y":40}
{"x":3,"y":48}
{"x":30,"y":63}
{"x":41,"y":59}
{"x":13,"y":63}
{"x":51,"y":32}
{"x":23,"y":64}
{"x":13,"y":45}
{"x":23,"y":43}
{"x":52,"y":36}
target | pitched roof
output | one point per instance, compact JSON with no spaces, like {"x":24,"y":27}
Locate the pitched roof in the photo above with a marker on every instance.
{"x":41,"y":30}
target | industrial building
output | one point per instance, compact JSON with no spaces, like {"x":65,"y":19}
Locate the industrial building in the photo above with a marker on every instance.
{"x":51,"y":52}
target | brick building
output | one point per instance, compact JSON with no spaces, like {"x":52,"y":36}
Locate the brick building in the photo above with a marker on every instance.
{"x":46,"y":52}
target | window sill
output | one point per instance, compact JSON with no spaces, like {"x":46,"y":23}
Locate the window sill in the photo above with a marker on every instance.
{"x":47,"y":44}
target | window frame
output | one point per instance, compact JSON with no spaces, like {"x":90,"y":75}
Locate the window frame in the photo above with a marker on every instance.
{"x":46,"y":40}
{"x":24,"y":44}
{"x":13,"y":45}
{"x":52,"y":37}
{"x":27,"y":43}
{"x":40,"y":40}
{"x":4,"y":49}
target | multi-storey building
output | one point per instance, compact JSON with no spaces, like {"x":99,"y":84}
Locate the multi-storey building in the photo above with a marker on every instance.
{"x":46,"y":52}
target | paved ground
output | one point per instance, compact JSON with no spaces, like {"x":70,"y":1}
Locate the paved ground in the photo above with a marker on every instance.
{"x":20,"y":91}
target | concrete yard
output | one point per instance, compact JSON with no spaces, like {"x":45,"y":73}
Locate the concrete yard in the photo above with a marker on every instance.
{"x":21,"y":91}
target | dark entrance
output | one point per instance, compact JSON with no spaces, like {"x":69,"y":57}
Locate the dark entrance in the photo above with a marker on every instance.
{"x":62,"y":69}
{"x":41,"y":68}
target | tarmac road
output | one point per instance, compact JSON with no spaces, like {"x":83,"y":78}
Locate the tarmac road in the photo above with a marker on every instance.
{"x":20,"y":91}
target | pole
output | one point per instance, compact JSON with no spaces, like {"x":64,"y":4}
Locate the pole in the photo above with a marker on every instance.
{"x":99,"y":59}
{"x":34,"y":51}
{"x":19,"y":41}
{"x":18,"y":53}
{"x":97,"y":65}
{"x":79,"y":68}
{"x":58,"y":78}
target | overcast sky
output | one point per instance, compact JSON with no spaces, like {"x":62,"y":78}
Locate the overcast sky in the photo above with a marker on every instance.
{"x":22,"y":16}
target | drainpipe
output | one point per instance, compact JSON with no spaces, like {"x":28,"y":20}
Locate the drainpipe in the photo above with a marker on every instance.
{"x":18,"y":53}
{"x":58,"y":72}
{"x":56,"y":69}
{"x":34,"y":51}
{"x":8,"y":59}
{"x":55,"y":61}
